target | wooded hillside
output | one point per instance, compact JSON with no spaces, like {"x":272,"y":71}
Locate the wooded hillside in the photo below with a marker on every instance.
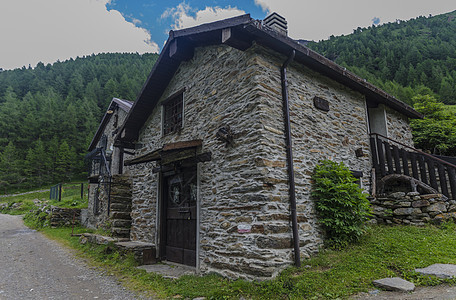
{"x":49,"y":114}
{"x":403,"y":58}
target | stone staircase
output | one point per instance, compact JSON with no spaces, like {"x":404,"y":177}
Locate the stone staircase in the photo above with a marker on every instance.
{"x":120,"y":207}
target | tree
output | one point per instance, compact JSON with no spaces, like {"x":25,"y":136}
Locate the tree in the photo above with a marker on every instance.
{"x":37,"y":164}
{"x":436,"y":132}
{"x":64,"y":162}
{"x":9,"y":164}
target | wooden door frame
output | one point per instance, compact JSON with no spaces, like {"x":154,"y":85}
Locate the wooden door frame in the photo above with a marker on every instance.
{"x":161,"y":217}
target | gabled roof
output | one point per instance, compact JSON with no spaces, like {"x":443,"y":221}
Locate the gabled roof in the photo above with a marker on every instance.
{"x":125,"y":105}
{"x":238,"y":32}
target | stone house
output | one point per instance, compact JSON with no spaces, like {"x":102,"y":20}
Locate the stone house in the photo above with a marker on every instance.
{"x":226,"y":133}
{"x":105,"y":161}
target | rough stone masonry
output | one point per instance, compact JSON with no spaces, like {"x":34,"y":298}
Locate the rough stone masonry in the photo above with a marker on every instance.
{"x":244,"y":220}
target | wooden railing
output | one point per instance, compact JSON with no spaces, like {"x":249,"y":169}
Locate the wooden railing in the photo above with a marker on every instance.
{"x":393,"y":157}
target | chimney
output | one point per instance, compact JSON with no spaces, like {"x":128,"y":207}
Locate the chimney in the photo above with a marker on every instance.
{"x":277,"y":23}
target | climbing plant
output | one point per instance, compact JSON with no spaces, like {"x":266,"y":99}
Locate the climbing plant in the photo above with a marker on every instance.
{"x":342,"y":208}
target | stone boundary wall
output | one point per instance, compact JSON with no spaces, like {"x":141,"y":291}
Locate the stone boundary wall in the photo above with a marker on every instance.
{"x":64,"y":216}
{"x":413,"y":208}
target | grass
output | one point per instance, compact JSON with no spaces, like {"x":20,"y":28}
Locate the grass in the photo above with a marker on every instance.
{"x":20,"y":204}
{"x":384,"y":251}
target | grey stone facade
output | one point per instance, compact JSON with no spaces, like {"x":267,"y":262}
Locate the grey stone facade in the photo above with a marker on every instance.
{"x":243,"y":203}
{"x":398,"y":127}
{"x":99,"y":187}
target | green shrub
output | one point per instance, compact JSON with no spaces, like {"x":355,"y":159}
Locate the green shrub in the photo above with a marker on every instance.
{"x":37,"y":218}
{"x":342,"y":207}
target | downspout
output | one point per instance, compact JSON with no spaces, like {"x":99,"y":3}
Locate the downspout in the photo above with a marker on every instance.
{"x":288,"y":142}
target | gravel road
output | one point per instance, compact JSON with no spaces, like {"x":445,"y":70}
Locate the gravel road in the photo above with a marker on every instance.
{"x":34,"y":267}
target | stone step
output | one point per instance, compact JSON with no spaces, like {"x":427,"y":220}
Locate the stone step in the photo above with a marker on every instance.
{"x":123,"y":179}
{"x":120,"y":199}
{"x":98,"y":239}
{"x":394,"y":284}
{"x":445,"y":271}
{"x":120,"y":232}
{"x":121,"y":207}
{"x":144,"y":253}
{"x":120,"y":192}
{"x":120,"y":215}
{"x":121,"y":223}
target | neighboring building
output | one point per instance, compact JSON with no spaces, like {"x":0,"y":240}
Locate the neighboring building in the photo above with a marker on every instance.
{"x":105,"y":161}
{"x":210,"y":184}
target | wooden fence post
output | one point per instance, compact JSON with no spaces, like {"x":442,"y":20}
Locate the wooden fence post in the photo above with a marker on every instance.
{"x":60,"y":192}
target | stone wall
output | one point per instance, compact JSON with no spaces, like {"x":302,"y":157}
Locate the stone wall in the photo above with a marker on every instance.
{"x":99,"y":218}
{"x":413,"y":208}
{"x":120,"y":200}
{"x":398,"y":127}
{"x":244,"y":221}
{"x":335,"y":134}
{"x":64,"y":216}
{"x":110,"y":131}
{"x":144,"y":203}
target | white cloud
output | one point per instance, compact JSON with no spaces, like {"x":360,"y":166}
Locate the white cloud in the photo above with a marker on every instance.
{"x":316,"y":20}
{"x":183,"y":18}
{"x":48,"y":30}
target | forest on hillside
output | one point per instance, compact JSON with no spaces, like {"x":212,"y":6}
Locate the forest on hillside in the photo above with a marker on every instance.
{"x":405,"y":58}
{"x":49,"y":114}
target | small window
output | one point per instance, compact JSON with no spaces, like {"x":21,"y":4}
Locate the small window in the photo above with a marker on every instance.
{"x":173,"y":113}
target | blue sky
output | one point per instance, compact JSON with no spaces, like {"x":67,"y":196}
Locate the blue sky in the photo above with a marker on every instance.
{"x":49,"y":30}
{"x":153,"y":14}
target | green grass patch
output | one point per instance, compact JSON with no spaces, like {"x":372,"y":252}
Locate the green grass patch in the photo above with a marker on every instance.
{"x":382,"y":252}
{"x":71,"y":196}
{"x":21,"y":204}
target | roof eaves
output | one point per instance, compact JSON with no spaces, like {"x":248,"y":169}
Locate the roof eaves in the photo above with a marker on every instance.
{"x":123,"y":104}
{"x":208,"y":27}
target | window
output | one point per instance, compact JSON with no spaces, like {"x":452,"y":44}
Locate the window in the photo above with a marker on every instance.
{"x":173,"y":111}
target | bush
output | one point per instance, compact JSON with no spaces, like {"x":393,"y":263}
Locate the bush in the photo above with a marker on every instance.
{"x":37,"y":218}
{"x":342,"y":207}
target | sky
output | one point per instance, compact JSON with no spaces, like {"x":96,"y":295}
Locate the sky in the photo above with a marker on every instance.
{"x":33,"y":31}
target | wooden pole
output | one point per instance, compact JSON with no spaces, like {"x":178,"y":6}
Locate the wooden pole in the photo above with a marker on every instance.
{"x":60,"y":192}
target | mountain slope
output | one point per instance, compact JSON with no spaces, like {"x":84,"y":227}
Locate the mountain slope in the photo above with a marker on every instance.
{"x":49,"y":114}
{"x":417,"y":54}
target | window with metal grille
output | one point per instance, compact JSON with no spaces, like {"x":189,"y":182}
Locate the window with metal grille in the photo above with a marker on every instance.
{"x":173,"y":113}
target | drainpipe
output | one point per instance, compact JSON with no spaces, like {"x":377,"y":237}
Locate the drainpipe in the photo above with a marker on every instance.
{"x":288,"y":142}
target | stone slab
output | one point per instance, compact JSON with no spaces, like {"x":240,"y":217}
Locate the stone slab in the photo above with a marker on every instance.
{"x":96,"y":239}
{"x":394,"y":284}
{"x":169,"y":270}
{"x":131,"y":245}
{"x":440,"y":270}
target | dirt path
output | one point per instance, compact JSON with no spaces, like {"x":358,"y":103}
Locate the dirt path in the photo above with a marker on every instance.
{"x":34,"y":267}
{"x":25,"y":193}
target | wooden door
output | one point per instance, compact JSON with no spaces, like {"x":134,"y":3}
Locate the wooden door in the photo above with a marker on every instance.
{"x":180,"y":194}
